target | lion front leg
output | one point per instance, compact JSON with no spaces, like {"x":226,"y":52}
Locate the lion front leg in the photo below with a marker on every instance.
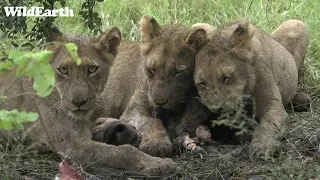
{"x":267,"y":136}
{"x":155,"y":139}
{"x":75,"y":141}
{"x":74,"y":138}
{"x":91,"y":153}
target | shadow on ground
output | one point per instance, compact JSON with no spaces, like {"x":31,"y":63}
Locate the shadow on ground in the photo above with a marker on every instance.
{"x":299,"y":158}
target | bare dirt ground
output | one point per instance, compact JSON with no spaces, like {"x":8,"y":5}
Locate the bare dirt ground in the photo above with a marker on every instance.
{"x":299,"y":158}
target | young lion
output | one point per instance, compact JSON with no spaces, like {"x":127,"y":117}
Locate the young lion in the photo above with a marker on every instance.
{"x":158,"y":77}
{"x":240,"y":60}
{"x":67,"y":115}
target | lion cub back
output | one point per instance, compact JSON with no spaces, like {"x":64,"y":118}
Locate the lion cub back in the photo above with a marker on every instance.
{"x":124,"y":77}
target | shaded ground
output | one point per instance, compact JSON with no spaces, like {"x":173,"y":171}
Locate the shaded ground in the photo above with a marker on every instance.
{"x":299,"y":158}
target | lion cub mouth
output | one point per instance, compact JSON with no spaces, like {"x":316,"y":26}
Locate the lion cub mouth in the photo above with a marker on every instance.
{"x":80,"y":113}
{"x":83,"y":108}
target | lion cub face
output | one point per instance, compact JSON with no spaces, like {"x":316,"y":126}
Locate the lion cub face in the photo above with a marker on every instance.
{"x":223,"y":71}
{"x":168,"y":55}
{"x":80,"y":86}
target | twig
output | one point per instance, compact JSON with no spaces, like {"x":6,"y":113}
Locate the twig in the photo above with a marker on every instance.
{"x":220,"y":174}
{"x":293,"y":147}
{"x":21,"y":94}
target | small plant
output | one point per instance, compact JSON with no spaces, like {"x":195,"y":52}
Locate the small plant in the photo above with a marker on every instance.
{"x":242,"y":118}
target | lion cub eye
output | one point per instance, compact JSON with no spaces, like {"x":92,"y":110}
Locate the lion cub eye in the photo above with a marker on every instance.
{"x":151,"y":71}
{"x":225,"y":79}
{"x":180,"y":70}
{"x":178,"y":73}
{"x":92,"y":69}
{"x":63,"y":70}
{"x":202,"y":85}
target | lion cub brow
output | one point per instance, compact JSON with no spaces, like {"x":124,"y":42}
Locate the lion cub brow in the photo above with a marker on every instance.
{"x":181,"y":67}
{"x":228,"y":69}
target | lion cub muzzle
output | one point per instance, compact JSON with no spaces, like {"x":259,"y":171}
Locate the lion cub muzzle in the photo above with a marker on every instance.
{"x":79,"y":98}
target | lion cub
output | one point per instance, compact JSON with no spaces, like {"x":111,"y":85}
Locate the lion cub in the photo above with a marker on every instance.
{"x":67,"y":115}
{"x":155,"y":76}
{"x":241,"y":60}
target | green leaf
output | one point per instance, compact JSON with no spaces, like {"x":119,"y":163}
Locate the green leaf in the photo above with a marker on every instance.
{"x":32,"y":116}
{"x":43,"y":78}
{"x":15,"y":54}
{"x":5,"y":66}
{"x":43,"y":56}
{"x":37,"y":66}
{"x":21,"y":60}
{"x":15,"y":118}
{"x":73,"y":51}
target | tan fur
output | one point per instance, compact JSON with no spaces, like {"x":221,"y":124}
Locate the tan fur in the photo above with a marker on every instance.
{"x":61,"y":127}
{"x":209,"y":28}
{"x":242,"y":60}
{"x":158,"y":73}
{"x":293,"y":34}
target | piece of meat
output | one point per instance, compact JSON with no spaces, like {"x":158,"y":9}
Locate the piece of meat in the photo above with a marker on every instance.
{"x":203,"y":133}
{"x":184,"y":141}
{"x":67,"y":172}
{"x":70,"y":170}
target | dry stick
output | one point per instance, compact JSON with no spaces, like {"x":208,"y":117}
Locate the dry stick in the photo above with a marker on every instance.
{"x":220,"y":174}
{"x":21,"y":94}
{"x":294,"y":148}
{"x":209,"y":173}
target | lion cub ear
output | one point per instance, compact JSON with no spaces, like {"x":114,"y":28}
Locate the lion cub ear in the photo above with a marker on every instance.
{"x":242,"y":35}
{"x":55,"y":34}
{"x":149,"y":28}
{"x":209,"y":28}
{"x":196,"y":38}
{"x":110,"y":41}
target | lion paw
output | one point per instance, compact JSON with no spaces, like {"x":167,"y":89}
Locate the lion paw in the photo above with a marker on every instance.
{"x":264,"y":149}
{"x":113,"y":131}
{"x":159,"y":167}
{"x":159,"y":148}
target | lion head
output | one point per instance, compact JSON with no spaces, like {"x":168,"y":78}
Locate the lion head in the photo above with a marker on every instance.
{"x":169,"y":57}
{"x":223,"y":70}
{"x":79,"y":86}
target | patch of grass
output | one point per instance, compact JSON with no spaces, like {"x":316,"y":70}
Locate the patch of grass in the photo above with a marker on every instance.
{"x":266,"y":14}
{"x":18,"y":161}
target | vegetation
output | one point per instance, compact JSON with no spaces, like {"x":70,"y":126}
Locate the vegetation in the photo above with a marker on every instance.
{"x":300,"y":155}
{"x":34,"y":65}
{"x":266,"y":14}
{"x":92,"y":16}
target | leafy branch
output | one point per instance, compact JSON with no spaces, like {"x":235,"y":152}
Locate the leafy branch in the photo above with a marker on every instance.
{"x":38,"y":67}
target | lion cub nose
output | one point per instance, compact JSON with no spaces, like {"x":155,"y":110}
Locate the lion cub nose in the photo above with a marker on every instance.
{"x":78,"y":102}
